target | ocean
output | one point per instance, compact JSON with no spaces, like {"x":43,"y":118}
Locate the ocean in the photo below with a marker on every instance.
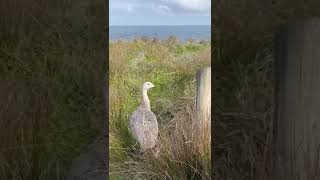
{"x":183,"y":33}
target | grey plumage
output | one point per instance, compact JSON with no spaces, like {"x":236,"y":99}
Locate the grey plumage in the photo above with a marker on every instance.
{"x":143,"y":123}
{"x":144,"y":128}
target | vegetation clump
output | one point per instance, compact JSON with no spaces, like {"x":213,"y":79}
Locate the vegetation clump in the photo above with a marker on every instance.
{"x":184,"y":149}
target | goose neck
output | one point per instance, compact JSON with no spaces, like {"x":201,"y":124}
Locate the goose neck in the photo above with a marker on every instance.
{"x":145,"y":100}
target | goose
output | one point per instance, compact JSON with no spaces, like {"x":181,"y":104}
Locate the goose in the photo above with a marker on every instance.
{"x":143,"y":123}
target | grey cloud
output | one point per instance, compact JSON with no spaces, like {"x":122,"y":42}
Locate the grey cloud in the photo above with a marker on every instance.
{"x":166,"y":7}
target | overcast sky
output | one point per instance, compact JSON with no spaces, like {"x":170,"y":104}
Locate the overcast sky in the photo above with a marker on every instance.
{"x":159,"y":12}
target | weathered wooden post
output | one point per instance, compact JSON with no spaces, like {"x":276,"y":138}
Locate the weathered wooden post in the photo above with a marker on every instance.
{"x":297,"y":112}
{"x":204,"y":95}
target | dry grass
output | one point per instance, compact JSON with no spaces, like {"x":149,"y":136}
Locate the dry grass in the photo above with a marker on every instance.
{"x":184,"y":149}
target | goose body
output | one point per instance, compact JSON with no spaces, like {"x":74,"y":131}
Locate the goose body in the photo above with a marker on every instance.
{"x":143,"y":123}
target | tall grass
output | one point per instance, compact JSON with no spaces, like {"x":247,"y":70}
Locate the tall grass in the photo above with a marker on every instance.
{"x":21,"y":18}
{"x":243,"y":113}
{"x":243,"y":84}
{"x":51,"y":104}
{"x":171,"y":66}
{"x":21,"y":126}
{"x":60,"y":93}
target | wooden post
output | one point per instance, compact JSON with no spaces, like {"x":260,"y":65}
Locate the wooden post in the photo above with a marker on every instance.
{"x":297,"y":112}
{"x":203,"y":100}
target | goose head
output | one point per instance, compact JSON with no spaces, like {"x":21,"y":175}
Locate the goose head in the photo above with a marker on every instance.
{"x":147,"y":85}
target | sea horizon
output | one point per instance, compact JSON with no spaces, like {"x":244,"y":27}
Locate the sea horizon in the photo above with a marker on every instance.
{"x":162,"y":32}
{"x":160,"y":25}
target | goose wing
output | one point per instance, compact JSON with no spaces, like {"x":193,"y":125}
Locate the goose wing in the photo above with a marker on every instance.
{"x":135,"y":125}
{"x":151,"y":129}
{"x":144,"y":128}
